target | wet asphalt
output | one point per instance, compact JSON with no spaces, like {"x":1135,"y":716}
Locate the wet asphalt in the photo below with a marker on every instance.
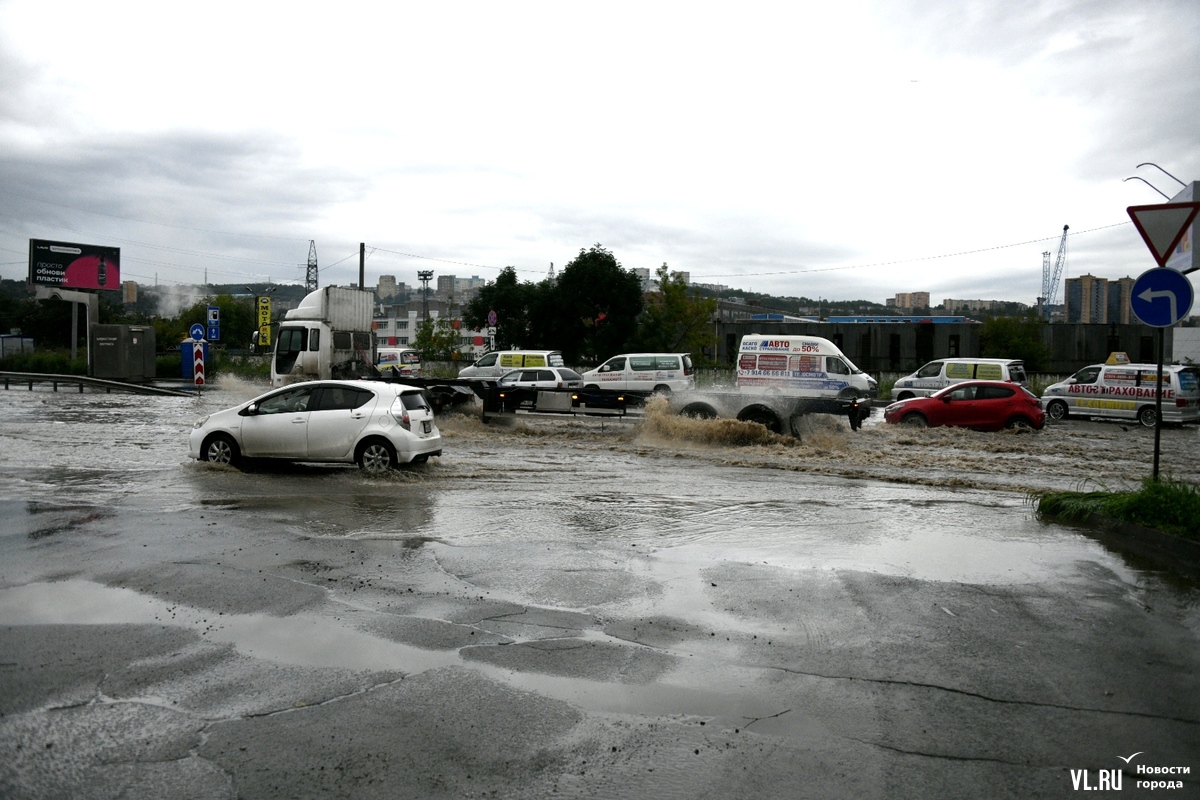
{"x":557,"y":611}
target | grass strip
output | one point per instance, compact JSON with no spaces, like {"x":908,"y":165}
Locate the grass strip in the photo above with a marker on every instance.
{"x":1170,"y":506}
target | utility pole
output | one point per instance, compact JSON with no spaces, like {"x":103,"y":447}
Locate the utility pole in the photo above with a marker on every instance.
{"x":362,"y":266}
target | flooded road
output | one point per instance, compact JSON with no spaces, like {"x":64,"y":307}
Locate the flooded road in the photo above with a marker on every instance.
{"x":666,"y":608}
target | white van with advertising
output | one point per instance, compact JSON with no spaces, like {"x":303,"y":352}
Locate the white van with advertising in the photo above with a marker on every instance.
{"x":498,"y":362}
{"x":939,"y":374}
{"x":400,"y":361}
{"x":1118,"y":389}
{"x":800,"y":366}
{"x":661,"y":373}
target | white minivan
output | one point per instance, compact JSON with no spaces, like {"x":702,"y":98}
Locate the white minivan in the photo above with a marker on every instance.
{"x":937,"y":375}
{"x":499,"y":362}
{"x":662,"y":373}
{"x":799,"y":366}
{"x":1118,"y":389}
{"x":402,"y":362}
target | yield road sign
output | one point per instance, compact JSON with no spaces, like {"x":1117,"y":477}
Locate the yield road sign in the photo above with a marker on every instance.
{"x":1161,"y":297}
{"x":1162,"y":226}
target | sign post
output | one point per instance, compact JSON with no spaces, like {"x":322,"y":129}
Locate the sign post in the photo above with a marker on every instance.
{"x":1161,"y":297}
{"x":197,"y":334}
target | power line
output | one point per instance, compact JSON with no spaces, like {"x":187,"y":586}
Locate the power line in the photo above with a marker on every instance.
{"x":151,"y":222}
{"x":910,"y":260}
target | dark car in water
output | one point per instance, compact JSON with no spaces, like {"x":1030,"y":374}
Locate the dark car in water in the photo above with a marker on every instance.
{"x":980,"y":405}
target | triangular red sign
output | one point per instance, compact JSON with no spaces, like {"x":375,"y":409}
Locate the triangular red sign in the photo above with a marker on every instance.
{"x":1162,"y":225}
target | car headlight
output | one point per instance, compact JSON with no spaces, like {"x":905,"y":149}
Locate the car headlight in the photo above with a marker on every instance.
{"x":200,"y":423}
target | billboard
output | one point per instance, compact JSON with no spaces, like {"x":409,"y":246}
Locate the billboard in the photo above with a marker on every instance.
{"x":74,"y":266}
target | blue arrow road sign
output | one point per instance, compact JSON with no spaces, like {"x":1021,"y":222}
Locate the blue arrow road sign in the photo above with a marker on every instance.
{"x":1161,"y":297}
{"x":197,"y":331}
{"x":214,"y":333}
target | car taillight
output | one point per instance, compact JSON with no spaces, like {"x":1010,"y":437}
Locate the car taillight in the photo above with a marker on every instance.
{"x":560,"y":384}
{"x":403,"y":418}
{"x":1181,"y":402}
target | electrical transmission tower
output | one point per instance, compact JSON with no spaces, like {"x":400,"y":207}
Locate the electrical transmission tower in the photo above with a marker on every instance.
{"x":310,"y":277}
{"x":1050,"y":277}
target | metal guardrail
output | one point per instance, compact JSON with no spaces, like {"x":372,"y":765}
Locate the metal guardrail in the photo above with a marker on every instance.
{"x":85,"y":382}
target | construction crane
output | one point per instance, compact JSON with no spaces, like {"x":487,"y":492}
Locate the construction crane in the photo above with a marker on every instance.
{"x":1050,"y":277}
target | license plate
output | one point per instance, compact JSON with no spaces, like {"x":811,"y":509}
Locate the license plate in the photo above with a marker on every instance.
{"x":426,"y":426}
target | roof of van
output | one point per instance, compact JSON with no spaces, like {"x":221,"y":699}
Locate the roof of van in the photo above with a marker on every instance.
{"x":980,"y":360}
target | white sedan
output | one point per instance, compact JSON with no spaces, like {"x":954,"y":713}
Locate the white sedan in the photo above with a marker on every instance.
{"x":376,"y":424}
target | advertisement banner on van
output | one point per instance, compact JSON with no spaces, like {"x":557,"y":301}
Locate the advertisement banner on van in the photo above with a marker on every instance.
{"x":67,"y":265}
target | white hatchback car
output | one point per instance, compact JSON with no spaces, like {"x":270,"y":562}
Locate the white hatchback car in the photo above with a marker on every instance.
{"x":376,"y":424}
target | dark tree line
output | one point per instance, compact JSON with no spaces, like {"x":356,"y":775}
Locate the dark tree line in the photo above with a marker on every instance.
{"x":593,"y":310}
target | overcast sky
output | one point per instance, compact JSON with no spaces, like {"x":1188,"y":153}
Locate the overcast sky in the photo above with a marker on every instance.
{"x":845,"y":150}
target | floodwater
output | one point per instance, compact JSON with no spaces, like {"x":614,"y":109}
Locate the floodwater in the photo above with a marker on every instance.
{"x":539,"y":555}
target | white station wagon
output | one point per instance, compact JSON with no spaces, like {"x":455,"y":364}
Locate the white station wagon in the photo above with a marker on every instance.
{"x":376,"y":424}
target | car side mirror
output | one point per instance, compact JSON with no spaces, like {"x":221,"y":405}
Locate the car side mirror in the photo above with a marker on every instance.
{"x":945,"y":398}
{"x":250,"y":410}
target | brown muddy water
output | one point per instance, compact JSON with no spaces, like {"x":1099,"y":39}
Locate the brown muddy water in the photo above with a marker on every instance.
{"x":578,"y":607}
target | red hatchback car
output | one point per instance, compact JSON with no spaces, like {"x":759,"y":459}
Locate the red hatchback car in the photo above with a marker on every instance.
{"x":981,"y":405}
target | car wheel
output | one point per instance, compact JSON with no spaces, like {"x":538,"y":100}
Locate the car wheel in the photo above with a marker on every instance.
{"x":376,"y":455}
{"x":915,"y":420}
{"x":220,"y":448}
{"x":1148,"y":416}
{"x":1019,"y":424}
{"x":1057,"y":409}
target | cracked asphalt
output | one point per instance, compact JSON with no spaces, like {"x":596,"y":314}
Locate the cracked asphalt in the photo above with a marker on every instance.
{"x":560,"y":610}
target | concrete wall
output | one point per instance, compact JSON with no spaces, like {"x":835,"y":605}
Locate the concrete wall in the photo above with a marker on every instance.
{"x":902,"y":347}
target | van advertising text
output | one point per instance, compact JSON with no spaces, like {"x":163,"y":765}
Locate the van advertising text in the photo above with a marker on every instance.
{"x":1119,"y":391}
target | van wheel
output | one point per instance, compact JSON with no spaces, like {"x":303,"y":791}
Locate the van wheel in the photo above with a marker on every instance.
{"x":904,"y":396}
{"x":698,"y":411}
{"x":1148,"y":416}
{"x":662,"y":390}
{"x":763,"y":416}
{"x":1057,"y":409}
{"x":915,"y":420}
{"x":591,"y":386}
{"x":376,"y":455}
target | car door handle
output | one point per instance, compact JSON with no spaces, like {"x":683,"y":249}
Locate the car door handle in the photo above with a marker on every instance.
{"x":357,"y":415}
{"x":298,"y":421}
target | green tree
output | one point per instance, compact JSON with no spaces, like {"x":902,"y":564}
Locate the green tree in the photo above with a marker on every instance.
{"x":675,"y":321}
{"x":238,"y":320}
{"x":437,"y":340}
{"x":1015,"y":337}
{"x":512,"y":301}
{"x":592,"y":311}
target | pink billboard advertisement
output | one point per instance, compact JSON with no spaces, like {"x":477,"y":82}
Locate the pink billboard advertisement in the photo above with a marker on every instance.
{"x":74,"y":266}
